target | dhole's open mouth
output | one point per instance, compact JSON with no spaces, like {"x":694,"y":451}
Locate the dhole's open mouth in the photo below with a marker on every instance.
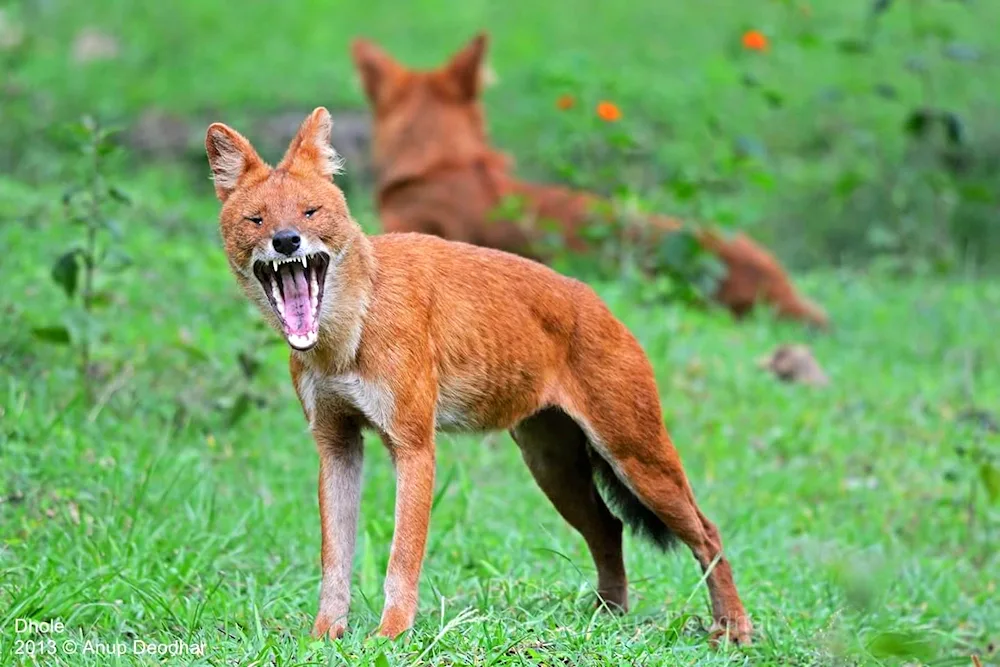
{"x":294,"y":286}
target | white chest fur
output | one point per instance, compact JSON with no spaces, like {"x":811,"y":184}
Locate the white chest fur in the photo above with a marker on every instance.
{"x":376,"y":401}
{"x":372,"y":400}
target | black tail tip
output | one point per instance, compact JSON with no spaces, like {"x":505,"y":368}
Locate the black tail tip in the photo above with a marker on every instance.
{"x":639,"y":518}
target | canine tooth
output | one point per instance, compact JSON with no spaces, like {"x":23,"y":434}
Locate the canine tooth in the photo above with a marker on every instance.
{"x":277,"y":299}
{"x":274,"y":265}
{"x":304,"y":261}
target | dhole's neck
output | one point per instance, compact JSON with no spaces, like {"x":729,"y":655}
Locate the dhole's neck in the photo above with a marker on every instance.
{"x":346,"y":297}
{"x":395,"y":169}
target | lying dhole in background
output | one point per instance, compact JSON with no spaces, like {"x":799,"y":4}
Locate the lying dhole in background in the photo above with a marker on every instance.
{"x":408,"y":333}
{"x":437,"y":174}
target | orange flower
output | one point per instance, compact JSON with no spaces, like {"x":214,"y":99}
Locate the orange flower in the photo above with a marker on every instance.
{"x":565,"y":102}
{"x":754,"y":40}
{"x":608,"y":112}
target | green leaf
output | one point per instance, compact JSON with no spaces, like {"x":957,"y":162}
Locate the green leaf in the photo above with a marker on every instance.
{"x":853,"y":46}
{"x":101,"y":300}
{"x":774,"y":98}
{"x":58,"y":335}
{"x":684,"y":188}
{"x":954,"y":129}
{"x":65,"y":271}
{"x":918,"y":122}
{"x":381,"y":660}
{"x":106,"y":144}
{"x":848,"y":182}
{"x":248,"y":364}
{"x":119,"y":196}
{"x":239,"y":410}
{"x":990,"y":475}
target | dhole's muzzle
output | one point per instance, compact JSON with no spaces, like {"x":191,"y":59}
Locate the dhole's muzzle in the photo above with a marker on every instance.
{"x":293,"y":284}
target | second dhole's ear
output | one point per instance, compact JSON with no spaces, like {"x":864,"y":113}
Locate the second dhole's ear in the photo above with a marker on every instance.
{"x":310,"y":151}
{"x":375,"y":66}
{"x":467,"y":68}
{"x":231,"y":158}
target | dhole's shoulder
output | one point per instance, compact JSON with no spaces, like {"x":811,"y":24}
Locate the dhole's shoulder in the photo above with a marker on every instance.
{"x":463,"y":267}
{"x":413,"y":247}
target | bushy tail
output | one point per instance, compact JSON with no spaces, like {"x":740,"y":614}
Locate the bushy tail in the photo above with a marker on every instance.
{"x":639,"y":518}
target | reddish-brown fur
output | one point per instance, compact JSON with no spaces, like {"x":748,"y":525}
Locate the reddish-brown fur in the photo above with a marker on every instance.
{"x":437,"y":174}
{"x":425,"y":334}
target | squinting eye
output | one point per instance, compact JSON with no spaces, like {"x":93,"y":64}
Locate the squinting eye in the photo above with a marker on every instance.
{"x":309,"y":212}
{"x":255,"y":219}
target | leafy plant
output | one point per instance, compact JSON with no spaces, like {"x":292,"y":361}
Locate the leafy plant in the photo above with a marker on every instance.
{"x":88,"y":206}
{"x":221,"y":390}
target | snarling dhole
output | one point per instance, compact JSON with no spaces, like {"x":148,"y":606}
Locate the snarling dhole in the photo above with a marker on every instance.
{"x":408,"y":333}
{"x":437,"y":174}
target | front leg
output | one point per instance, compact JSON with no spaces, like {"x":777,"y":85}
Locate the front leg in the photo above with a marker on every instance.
{"x":339,"y":442}
{"x":413,"y":454}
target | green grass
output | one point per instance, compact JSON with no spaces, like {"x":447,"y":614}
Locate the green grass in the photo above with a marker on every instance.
{"x":147,"y":517}
{"x":181,"y":505}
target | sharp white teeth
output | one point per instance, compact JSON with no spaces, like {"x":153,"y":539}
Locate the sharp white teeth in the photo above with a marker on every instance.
{"x":277,"y":299}
{"x":274,"y":265}
{"x":304,"y":264}
{"x":303,"y":341}
{"x":314,"y":293}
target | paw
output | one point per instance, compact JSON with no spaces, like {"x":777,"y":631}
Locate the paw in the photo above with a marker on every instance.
{"x":394,"y":623}
{"x":735,"y":631}
{"x":327,"y":627}
{"x":614,"y":600}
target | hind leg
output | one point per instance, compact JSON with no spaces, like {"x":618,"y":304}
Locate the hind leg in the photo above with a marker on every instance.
{"x":656,"y":477}
{"x":555,"y":449}
{"x":625,"y":428}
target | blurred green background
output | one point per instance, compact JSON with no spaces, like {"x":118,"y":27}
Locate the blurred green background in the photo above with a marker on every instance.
{"x":157,"y":480}
{"x":844,"y":171}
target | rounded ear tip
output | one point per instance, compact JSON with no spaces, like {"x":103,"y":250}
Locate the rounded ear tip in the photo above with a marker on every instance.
{"x":320,"y":113}
{"x":214,"y":131}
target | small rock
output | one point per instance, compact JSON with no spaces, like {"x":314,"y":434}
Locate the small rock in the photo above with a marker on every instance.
{"x":795,"y":363}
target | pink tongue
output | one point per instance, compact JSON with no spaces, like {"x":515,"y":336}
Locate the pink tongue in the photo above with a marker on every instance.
{"x":298,"y":305}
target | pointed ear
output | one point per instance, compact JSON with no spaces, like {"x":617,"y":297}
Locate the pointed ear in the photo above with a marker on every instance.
{"x":231,"y":157}
{"x":375,"y":66}
{"x":466,"y":68}
{"x":310,"y":151}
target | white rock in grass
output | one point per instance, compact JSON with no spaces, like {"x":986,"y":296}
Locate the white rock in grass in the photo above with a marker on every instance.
{"x":795,"y":363}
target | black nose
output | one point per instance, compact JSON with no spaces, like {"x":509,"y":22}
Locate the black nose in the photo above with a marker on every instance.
{"x":286,"y":241}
